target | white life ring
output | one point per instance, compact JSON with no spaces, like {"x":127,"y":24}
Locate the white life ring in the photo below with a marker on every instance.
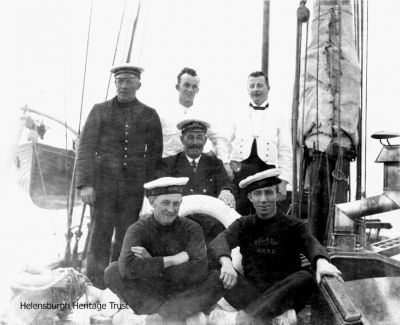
{"x":217,"y":209}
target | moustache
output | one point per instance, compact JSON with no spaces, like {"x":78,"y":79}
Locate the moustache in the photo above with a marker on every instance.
{"x":194,"y":146}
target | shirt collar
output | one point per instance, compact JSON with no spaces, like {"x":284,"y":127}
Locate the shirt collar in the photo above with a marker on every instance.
{"x":191,"y":159}
{"x":262,"y":104}
{"x":186,"y":109}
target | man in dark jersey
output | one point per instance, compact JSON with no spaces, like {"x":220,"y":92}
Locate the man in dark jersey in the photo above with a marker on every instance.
{"x":270,"y":244}
{"x":163,"y":269}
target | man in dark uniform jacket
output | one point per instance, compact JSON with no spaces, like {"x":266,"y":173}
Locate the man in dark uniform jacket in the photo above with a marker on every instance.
{"x":163,"y":270}
{"x":271,"y":244}
{"x":118,"y":152}
{"x":207,"y":175}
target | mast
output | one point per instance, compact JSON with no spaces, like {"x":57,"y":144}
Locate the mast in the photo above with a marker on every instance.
{"x":303,"y":14}
{"x":265,"y":37}
{"x":331,"y":111}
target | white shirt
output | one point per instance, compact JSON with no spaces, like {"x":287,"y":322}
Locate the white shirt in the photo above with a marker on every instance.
{"x":171,"y":135}
{"x":191,"y":159}
{"x":272,"y":133}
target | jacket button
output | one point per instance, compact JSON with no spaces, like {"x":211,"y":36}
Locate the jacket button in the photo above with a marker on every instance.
{"x":126,"y":125}
{"x":126,"y":148}
{"x":126,"y":133}
{"x":126,"y":156}
{"x":125,"y":164}
{"x":204,"y":190}
{"x":126,"y":141}
{"x":191,"y":190}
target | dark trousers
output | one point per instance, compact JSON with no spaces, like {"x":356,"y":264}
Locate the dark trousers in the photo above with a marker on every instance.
{"x":117,"y":206}
{"x":266,"y":303}
{"x":146,"y":298}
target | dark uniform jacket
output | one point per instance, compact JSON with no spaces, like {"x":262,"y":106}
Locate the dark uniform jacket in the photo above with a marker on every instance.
{"x":119,"y":141}
{"x":210,"y":177}
{"x":270,"y":248}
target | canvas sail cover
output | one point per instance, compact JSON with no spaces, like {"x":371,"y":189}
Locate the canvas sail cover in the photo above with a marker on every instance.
{"x":325,"y":79}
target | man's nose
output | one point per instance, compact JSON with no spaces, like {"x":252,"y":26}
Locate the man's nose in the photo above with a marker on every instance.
{"x":264,"y":197}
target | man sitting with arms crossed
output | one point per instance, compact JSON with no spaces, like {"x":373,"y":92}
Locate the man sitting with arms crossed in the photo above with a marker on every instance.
{"x":207,"y":175}
{"x":270,"y":243}
{"x":163,"y":268}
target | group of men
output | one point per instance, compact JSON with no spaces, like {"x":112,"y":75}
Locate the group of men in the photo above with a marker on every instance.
{"x":163,"y":268}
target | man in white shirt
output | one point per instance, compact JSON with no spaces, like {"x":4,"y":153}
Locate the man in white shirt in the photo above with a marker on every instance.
{"x":188,"y":87}
{"x":261,"y":140}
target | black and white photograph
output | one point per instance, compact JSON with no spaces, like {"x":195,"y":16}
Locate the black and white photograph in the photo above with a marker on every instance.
{"x":215,"y":162}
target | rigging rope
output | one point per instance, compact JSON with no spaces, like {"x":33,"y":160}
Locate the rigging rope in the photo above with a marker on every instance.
{"x":84,"y":72}
{"x":116,"y":47}
{"x":69,"y":234}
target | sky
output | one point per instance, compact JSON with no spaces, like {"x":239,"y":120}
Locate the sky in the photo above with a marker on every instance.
{"x":44,"y":46}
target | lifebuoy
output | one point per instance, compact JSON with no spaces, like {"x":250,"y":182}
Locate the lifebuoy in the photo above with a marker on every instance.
{"x":217,"y":209}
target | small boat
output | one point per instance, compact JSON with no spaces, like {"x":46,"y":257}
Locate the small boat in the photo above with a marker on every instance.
{"x":41,"y":170}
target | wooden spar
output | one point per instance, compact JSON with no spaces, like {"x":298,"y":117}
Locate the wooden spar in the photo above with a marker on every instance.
{"x":265,"y":37}
{"x":115,"y":51}
{"x":303,"y":14}
{"x":64,"y":124}
{"x":128,"y":59}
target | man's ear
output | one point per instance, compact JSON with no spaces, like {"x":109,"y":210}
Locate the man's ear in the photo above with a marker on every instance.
{"x":139,"y":85}
{"x":151,"y":200}
{"x":181,"y":137}
{"x":177,"y":87}
{"x":249,"y":197}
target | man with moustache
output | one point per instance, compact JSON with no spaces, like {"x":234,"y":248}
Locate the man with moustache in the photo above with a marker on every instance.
{"x":118,"y":151}
{"x":261,"y":140}
{"x":188,"y":86}
{"x":206,"y":173}
{"x":271,"y":244}
{"x":162,"y":273}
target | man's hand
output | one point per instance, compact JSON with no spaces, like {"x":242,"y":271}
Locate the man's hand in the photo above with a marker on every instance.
{"x":140,"y":251}
{"x":326,"y":268}
{"x":282,"y":190}
{"x":228,"y":274}
{"x":177,"y":259}
{"x":227,"y":197}
{"x":88,"y":195}
{"x":228,"y":170}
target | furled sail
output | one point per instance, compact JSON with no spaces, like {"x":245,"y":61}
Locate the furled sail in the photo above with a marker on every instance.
{"x":332,"y":89}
